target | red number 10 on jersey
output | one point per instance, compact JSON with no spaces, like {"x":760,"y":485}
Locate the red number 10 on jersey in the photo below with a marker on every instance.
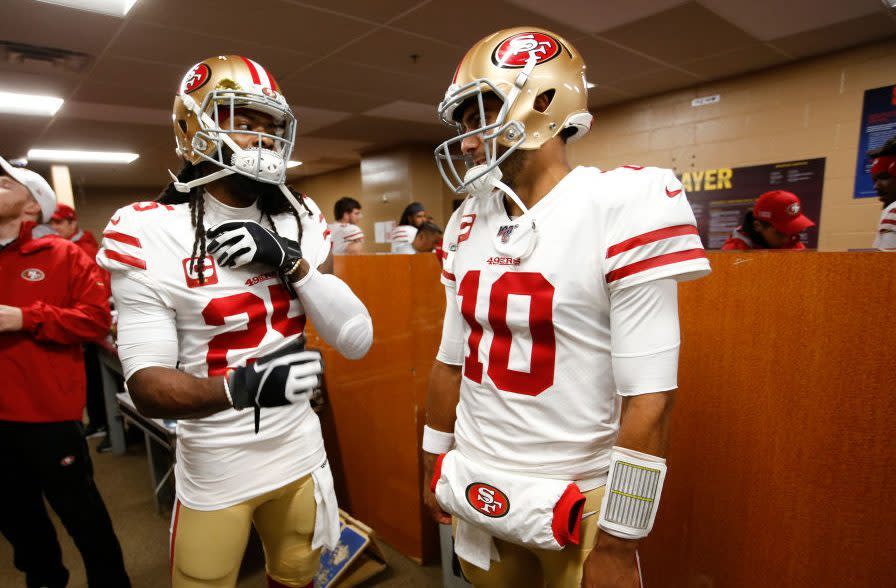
{"x":540,"y":292}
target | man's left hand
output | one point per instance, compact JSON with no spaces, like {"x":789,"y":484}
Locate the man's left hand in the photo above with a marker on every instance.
{"x":611,"y":564}
{"x":10,"y":318}
{"x":236,"y":243}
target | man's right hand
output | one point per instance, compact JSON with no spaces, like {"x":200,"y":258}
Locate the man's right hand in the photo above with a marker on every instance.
{"x":429,"y":497}
{"x":284,"y":377}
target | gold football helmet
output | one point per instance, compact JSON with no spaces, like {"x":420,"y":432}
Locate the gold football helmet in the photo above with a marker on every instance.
{"x":516,"y":65}
{"x":208,"y":95}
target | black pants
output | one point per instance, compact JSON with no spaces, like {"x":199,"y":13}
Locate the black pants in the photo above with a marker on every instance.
{"x":96,"y":401}
{"x":51,"y":460}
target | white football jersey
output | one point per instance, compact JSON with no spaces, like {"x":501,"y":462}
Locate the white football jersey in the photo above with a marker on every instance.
{"x":342,"y":234}
{"x":538,"y":394}
{"x":886,"y":230}
{"x":402,"y":238}
{"x":233,"y":316}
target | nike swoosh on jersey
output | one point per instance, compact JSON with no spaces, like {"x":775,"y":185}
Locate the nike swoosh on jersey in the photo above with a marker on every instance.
{"x":673,"y":194}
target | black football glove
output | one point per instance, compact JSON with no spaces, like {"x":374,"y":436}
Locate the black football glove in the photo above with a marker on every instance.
{"x":284,"y":377}
{"x":236,"y":243}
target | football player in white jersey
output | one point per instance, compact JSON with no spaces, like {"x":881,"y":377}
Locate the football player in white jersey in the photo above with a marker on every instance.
{"x":549,"y":400}
{"x":213,"y":283}
{"x":347,"y":236}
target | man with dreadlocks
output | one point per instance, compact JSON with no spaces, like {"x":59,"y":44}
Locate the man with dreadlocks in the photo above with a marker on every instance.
{"x":213,"y":282}
{"x":883,"y":174}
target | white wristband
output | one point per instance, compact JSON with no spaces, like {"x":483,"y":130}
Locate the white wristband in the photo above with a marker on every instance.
{"x":632,"y":494}
{"x":437,"y":442}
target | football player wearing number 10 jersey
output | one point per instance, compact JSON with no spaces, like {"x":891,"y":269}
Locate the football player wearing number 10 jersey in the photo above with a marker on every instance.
{"x":213,"y":282}
{"x":550,"y":397}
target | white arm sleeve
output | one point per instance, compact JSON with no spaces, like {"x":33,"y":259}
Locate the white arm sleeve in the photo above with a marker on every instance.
{"x":451,"y":349}
{"x":645,"y":337}
{"x":339,"y":316}
{"x":147,"y":331}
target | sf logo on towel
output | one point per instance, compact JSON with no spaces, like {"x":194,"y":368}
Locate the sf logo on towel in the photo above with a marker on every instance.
{"x":487,"y":499}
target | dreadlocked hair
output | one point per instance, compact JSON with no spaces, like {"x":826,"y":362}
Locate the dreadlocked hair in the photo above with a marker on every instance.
{"x":270,"y":202}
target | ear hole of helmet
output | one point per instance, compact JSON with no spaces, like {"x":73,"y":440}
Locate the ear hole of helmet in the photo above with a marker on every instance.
{"x":543,"y":100}
{"x":182,"y":124}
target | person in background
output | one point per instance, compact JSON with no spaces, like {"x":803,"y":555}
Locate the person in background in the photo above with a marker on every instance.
{"x":883,"y":173}
{"x":775,"y":222}
{"x":428,"y":238}
{"x":53,"y":299}
{"x":65,"y":222}
{"x":347,"y":236}
{"x":403,"y":235}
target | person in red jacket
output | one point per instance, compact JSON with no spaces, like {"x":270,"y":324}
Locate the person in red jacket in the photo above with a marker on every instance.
{"x":775,"y":222}
{"x":65,"y":222}
{"x":53,"y":299}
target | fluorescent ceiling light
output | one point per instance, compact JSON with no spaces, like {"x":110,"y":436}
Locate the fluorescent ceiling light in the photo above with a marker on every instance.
{"x":78,"y":156}
{"x":31,"y":104}
{"x":111,"y":7}
{"x":291,"y":163}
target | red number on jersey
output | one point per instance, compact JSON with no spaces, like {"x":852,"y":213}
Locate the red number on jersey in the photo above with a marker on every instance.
{"x":141,"y":206}
{"x":252,"y":306}
{"x":540,"y":376}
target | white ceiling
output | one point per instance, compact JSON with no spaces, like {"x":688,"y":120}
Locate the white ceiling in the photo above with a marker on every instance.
{"x":365,"y":75}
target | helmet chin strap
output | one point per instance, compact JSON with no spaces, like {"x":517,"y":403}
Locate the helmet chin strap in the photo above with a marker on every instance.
{"x":489,"y":182}
{"x":185,"y":187}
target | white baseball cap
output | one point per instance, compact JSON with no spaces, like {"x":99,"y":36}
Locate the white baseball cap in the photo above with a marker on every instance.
{"x":38,"y":187}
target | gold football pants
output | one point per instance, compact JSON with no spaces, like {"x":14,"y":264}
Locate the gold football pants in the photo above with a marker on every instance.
{"x":523,"y":567}
{"x":207,"y":545}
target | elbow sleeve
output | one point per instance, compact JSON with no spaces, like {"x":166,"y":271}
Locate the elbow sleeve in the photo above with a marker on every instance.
{"x":338,"y":315}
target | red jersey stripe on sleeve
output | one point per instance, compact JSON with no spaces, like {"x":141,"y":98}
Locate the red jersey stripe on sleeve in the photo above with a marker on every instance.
{"x":125,"y":259}
{"x":888,"y":221}
{"x":122,"y":238}
{"x":653,"y":262}
{"x":448,"y":276}
{"x":651,"y":237}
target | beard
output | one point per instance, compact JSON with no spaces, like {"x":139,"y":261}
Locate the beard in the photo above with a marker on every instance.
{"x":513,"y":166}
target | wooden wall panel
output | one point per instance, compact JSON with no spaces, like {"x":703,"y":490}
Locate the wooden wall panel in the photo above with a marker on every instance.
{"x":780,"y":460}
{"x":378,"y":403}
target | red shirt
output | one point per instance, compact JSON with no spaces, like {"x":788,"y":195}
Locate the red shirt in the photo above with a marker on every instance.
{"x":87,"y":242}
{"x":738,"y":241}
{"x":63,"y":299}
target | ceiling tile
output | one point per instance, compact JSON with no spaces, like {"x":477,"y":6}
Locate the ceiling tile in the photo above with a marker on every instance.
{"x":793,"y":16}
{"x":141,"y":41}
{"x":132,"y":73}
{"x":596,"y":17}
{"x":838,"y":36}
{"x":310,"y":119}
{"x":18,"y":133}
{"x":146,"y":97}
{"x":404,"y":110}
{"x":680,"y":34}
{"x":285,"y":25}
{"x":752,"y":58}
{"x":353,"y":78}
{"x":70,"y":133}
{"x":379,"y":11}
{"x":464,"y":22}
{"x":655,"y":82}
{"x":116,"y":113}
{"x":400,"y":52}
{"x":58,"y":84}
{"x":607,"y":62}
{"x":383,"y":132}
{"x":300,"y":93}
{"x":50,"y":25}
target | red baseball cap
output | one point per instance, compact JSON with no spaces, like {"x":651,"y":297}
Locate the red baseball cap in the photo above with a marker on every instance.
{"x":64,"y":212}
{"x":783,"y":211}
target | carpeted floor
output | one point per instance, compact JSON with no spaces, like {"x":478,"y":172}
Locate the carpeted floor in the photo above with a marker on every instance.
{"x":125,"y":486}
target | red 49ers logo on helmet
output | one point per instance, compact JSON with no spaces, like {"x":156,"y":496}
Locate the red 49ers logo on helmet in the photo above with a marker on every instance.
{"x":516,"y":51}
{"x":197,"y":78}
{"x":487,"y":500}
